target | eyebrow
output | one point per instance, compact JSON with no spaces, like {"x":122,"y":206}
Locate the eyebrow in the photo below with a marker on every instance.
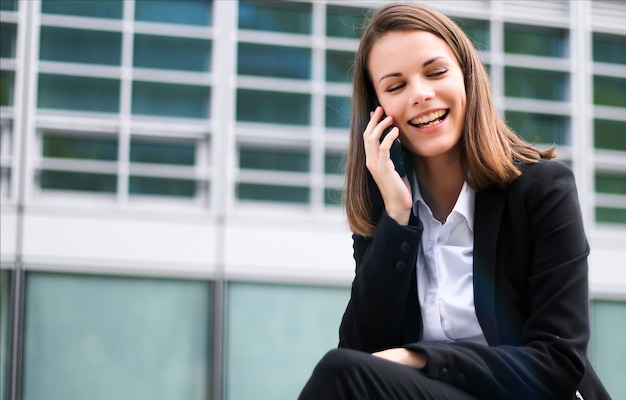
{"x":396,"y":74}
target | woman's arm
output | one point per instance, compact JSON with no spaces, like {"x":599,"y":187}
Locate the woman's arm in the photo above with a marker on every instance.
{"x":385,"y":264}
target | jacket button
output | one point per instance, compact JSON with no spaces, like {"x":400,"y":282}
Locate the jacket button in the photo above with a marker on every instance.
{"x":405,"y":247}
{"x":460,"y":379}
{"x":443,"y":374}
{"x":401,"y":266}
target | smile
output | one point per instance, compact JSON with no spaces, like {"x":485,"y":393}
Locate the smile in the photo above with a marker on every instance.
{"x":432,"y":119}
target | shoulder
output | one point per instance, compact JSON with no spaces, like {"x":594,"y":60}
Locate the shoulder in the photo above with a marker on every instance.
{"x":544,"y":175}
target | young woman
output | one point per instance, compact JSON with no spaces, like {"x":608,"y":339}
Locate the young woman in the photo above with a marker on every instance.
{"x":471,"y":269}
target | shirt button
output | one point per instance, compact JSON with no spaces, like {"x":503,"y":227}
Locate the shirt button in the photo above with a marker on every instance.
{"x":401,"y":266}
{"x":405,"y":247}
{"x":443,"y":374}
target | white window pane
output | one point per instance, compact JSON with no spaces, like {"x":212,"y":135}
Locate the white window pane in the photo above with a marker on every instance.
{"x":276,"y":335}
{"x":102,"y":338}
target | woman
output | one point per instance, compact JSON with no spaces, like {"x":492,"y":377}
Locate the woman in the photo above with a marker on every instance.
{"x":471,"y":270}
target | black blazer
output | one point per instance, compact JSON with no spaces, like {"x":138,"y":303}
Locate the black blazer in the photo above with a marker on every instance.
{"x":530,"y":294}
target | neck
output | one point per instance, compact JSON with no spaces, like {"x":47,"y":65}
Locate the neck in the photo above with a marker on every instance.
{"x":440,"y":184}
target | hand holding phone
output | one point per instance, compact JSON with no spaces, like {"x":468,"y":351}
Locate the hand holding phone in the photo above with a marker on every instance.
{"x":397,"y":152}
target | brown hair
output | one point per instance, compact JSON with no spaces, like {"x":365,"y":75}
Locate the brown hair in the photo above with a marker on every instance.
{"x":489,"y":148}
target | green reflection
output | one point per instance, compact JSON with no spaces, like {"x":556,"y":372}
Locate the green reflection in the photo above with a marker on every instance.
{"x":538,"y":128}
{"x":277,"y":16}
{"x":279,"y":193}
{"x":273,"y":107}
{"x":78,"y":181}
{"x":609,"y":134}
{"x":148,"y":185}
{"x":275,"y":159}
{"x":345,"y":22}
{"x":80,"y":147}
{"x":532,"y":40}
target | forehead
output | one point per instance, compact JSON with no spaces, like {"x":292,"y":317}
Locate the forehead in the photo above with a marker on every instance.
{"x":397,"y":47}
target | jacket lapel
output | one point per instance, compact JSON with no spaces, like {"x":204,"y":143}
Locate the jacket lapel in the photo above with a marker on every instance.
{"x":487,"y":218}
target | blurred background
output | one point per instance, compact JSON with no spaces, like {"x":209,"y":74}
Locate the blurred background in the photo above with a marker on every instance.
{"x":171,"y":175}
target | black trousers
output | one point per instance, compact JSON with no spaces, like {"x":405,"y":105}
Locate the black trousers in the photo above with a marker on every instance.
{"x":344,"y":374}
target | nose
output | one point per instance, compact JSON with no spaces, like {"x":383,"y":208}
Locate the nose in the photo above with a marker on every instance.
{"x":421,"y":91}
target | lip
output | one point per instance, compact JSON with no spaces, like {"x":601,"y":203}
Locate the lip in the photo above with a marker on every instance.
{"x":430,"y":129}
{"x":428,"y":112}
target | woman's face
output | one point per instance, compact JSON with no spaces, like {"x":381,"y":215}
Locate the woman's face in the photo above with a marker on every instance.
{"x":420,"y":84}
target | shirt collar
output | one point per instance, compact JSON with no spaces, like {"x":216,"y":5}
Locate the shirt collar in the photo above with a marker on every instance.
{"x":464,"y":203}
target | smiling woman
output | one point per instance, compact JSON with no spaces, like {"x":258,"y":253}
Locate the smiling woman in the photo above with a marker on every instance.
{"x":463,"y":289}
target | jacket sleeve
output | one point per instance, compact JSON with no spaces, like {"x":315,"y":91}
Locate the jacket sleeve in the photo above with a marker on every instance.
{"x":385,"y":266}
{"x":549,"y":360}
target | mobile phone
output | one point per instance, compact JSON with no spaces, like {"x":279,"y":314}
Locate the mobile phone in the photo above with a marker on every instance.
{"x":397,"y":152}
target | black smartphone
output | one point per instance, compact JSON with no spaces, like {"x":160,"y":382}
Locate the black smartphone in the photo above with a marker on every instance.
{"x":397,"y":152}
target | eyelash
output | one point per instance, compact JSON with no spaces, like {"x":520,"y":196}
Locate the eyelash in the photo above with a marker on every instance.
{"x":432,"y":75}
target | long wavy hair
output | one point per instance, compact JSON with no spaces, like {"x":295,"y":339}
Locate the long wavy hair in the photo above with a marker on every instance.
{"x":489,"y":148}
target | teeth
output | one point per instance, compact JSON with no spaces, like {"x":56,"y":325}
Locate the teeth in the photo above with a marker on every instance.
{"x":430,"y":119}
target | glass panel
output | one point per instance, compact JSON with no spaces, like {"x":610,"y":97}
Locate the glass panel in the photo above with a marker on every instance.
{"x":539,"y":128}
{"x":273,"y":107}
{"x":162,"y":152}
{"x":78,"y":93}
{"x":80,"y":147}
{"x":274,"y":159}
{"x":607,"y":343}
{"x":297,"y":326}
{"x":182,"y":53}
{"x":7,"y":40}
{"x":104,"y":337}
{"x":80,"y":46}
{"x":278,"y":61}
{"x":612,"y":183}
{"x":6,"y":88}
{"x":261,"y":192}
{"x":345,"y":22}
{"x":170,"y":100}
{"x":279,"y":16}
{"x":81,"y":181}
{"x":478,"y":31}
{"x":8,"y":5}
{"x":611,"y":215}
{"x":187,"y":12}
{"x":339,"y":66}
{"x":5,"y":312}
{"x":610,"y":134}
{"x":334,"y":163}
{"x":333,"y":197}
{"x":609,"y":48}
{"x":84,"y":8}
{"x":535,"y":84}
{"x":524,"y":39}
{"x":608,"y":91}
{"x":337,"y":112}
{"x":162,"y":186}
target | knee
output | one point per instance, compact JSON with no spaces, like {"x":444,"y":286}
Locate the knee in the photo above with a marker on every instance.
{"x":337,"y":362}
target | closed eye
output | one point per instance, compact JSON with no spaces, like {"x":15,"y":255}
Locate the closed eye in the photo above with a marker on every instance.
{"x":438,"y":72}
{"x":395,"y":87}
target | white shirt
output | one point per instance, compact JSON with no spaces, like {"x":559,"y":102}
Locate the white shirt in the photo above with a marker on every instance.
{"x":445,"y":283}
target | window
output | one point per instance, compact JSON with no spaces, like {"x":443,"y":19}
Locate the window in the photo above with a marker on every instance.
{"x":5,"y":313}
{"x":532,"y":40}
{"x":80,"y":46}
{"x":535,"y":84}
{"x":478,"y":31}
{"x":539,"y":128}
{"x":111,"y":9}
{"x":607,"y":343}
{"x":609,"y":48}
{"x":337,"y":112}
{"x":62,"y":170}
{"x":186,"y":12}
{"x":273,"y":107}
{"x":172,"y":53}
{"x":610,"y":134}
{"x":105,"y":337}
{"x":170,"y":100}
{"x":339,"y":66}
{"x":345,"y":22}
{"x":277,"y":16}
{"x":75,"y":93}
{"x":297,"y":326}
{"x":609,"y":91}
{"x":277,"y":61}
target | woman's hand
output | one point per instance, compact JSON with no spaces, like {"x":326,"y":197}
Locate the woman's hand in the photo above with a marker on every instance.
{"x":403,"y":356}
{"x":396,"y":191}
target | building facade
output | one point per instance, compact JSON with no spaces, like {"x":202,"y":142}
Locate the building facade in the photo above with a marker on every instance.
{"x":171,"y":179}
